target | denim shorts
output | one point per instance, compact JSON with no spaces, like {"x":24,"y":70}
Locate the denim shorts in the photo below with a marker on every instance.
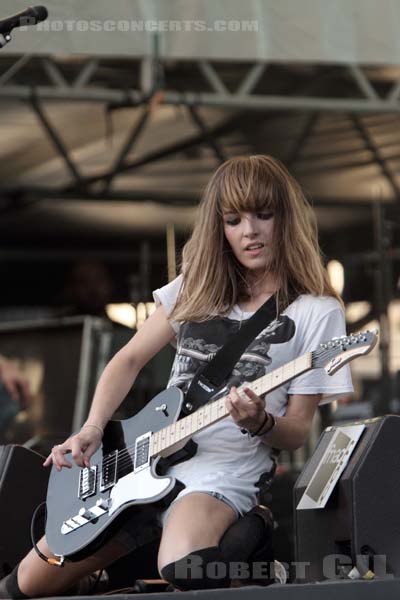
{"x":224,"y":499}
{"x":217,"y":495}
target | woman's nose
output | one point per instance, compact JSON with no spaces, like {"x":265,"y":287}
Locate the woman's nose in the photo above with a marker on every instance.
{"x":249,"y":226}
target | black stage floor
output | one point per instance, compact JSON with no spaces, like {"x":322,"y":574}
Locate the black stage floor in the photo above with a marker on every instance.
{"x":388,"y":589}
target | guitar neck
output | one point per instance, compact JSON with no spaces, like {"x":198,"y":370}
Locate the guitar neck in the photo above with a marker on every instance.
{"x":214,"y":411}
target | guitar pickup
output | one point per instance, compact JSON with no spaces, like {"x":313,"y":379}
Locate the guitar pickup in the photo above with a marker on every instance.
{"x":109,"y":471}
{"x":142,"y":452}
{"x":87,"y":482}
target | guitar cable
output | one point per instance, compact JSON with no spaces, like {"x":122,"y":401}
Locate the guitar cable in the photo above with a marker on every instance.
{"x":55,"y":562}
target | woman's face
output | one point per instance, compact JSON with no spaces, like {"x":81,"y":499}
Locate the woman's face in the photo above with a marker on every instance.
{"x":249,"y":235}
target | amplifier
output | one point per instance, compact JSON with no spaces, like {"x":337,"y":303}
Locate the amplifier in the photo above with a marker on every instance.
{"x":23,"y":486}
{"x":362,"y":516}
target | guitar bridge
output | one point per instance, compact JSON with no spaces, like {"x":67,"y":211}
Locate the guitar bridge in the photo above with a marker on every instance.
{"x":87,"y":482}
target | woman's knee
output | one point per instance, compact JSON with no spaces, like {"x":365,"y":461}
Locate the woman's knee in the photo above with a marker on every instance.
{"x":200,"y":570}
{"x":183,"y":535}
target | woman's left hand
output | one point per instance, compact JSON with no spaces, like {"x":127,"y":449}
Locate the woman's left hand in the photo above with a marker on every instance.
{"x":246,"y":409}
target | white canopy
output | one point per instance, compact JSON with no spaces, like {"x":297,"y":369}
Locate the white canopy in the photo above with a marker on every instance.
{"x":338,"y":31}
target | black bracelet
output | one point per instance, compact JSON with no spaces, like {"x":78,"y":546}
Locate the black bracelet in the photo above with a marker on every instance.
{"x":271,"y":427}
{"x":260,"y":431}
{"x":254,"y":433}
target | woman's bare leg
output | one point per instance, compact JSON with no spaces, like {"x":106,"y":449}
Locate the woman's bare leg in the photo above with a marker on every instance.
{"x":36,"y":578}
{"x":196,"y":521}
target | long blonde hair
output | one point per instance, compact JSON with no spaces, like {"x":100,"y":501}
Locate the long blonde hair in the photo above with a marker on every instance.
{"x":213,"y":279}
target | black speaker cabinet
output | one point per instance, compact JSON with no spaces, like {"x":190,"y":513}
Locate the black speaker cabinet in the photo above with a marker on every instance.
{"x":362,"y":516}
{"x":23,"y":485}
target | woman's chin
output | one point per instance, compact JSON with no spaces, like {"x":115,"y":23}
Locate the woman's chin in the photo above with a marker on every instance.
{"x":255,"y":264}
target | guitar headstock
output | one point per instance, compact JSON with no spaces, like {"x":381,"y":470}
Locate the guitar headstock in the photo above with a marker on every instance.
{"x":335,"y":353}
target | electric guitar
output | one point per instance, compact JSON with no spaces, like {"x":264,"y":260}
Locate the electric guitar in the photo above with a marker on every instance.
{"x":84,"y":503}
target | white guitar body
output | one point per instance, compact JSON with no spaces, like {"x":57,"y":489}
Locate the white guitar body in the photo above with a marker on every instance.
{"x":139,"y":488}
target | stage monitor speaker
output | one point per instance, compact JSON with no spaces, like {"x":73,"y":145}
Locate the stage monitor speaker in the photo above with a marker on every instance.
{"x":362,"y":515}
{"x":23,"y":486}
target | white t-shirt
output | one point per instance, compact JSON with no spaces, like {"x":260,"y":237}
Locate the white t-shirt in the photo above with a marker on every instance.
{"x":228,"y":462}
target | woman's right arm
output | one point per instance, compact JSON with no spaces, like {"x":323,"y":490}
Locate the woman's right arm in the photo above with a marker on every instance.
{"x":114,"y":384}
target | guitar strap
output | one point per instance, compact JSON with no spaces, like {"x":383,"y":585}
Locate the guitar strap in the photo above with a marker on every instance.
{"x":210,"y":378}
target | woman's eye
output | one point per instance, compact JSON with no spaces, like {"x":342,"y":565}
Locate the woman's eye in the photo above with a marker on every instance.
{"x":265,"y":216}
{"x":232,"y":221}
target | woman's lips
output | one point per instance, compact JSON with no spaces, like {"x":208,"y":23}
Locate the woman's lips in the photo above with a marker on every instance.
{"x":254,"y":251}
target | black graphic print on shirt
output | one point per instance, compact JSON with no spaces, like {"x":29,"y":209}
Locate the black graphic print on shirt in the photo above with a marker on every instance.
{"x":199,"y":342}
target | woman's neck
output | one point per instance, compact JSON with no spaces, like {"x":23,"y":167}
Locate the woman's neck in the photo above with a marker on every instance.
{"x":261,"y":286}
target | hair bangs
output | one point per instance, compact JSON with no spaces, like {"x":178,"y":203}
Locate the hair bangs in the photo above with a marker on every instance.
{"x":246,"y":186}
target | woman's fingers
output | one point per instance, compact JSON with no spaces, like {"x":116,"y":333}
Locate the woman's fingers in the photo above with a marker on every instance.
{"x":80,"y":446}
{"x":57,"y":457}
{"x":253,"y":396}
{"x":245,"y":401}
{"x":245,"y":407}
{"x":48,"y":461}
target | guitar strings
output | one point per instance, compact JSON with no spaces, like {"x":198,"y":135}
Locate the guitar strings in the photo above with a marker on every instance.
{"x":108,"y":458}
{"x":125,"y":456}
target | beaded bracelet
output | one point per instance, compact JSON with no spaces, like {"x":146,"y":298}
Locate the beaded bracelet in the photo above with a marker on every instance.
{"x":95,"y":426}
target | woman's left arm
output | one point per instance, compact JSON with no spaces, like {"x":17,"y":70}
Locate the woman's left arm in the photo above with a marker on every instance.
{"x":289,"y":432}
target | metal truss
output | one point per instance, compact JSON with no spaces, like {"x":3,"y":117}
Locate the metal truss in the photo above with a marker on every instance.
{"x":249,"y":87}
{"x":313,"y":89}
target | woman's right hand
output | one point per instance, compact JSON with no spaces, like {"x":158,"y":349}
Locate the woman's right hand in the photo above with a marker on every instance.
{"x":81,"y":446}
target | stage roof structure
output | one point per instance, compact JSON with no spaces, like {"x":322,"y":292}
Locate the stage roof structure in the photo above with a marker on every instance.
{"x":114,"y":116}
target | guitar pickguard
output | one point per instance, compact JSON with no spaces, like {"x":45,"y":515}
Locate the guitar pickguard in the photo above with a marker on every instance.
{"x":142,"y":486}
